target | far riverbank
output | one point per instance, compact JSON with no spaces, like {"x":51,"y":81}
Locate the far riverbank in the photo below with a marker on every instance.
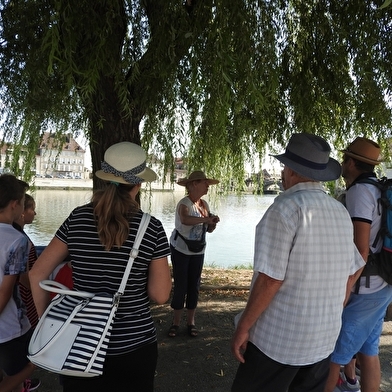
{"x":87,"y":184}
{"x":62,"y":183}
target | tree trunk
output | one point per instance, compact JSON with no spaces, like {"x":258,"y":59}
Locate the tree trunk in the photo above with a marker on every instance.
{"x":109,"y":125}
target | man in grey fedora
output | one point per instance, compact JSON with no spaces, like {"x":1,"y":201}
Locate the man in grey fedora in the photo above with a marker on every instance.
{"x":304,"y":261}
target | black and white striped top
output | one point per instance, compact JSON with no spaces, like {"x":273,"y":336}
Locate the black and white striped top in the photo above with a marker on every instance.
{"x":99,"y":271}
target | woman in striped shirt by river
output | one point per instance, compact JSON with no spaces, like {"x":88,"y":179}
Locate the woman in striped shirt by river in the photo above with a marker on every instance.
{"x":98,"y":238}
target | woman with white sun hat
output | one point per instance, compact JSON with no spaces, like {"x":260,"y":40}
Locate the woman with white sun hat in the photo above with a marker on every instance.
{"x":98,"y":238}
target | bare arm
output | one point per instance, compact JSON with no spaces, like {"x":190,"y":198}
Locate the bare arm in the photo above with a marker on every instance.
{"x":53,"y":255}
{"x":263,"y":291}
{"x":189,"y":220}
{"x":24,"y":279}
{"x":350,"y":283}
{"x":6,"y":290}
{"x":159,"y":281}
{"x":361,"y":240}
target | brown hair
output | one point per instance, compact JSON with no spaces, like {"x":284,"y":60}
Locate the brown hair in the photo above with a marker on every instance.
{"x":113,"y":207}
{"x":363,"y":166}
{"x":29,"y":201}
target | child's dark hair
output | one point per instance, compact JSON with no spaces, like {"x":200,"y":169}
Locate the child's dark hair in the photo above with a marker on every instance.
{"x":29,"y":201}
{"x":11,"y":189}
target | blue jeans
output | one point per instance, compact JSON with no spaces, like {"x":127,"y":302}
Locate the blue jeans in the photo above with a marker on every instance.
{"x":362,"y":322}
{"x":186,"y":275}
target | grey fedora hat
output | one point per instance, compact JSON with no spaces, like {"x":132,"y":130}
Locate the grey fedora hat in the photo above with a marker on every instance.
{"x":308,"y":155}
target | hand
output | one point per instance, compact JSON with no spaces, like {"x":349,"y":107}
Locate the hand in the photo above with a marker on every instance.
{"x":238,"y":344}
{"x":214,"y":219}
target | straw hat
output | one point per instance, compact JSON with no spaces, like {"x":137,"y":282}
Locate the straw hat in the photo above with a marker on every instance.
{"x":125,"y":163}
{"x":197,"y":175}
{"x":364,"y":150}
{"x":308,"y":155}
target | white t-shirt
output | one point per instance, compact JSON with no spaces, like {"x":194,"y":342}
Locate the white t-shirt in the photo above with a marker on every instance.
{"x":194,"y":232}
{"x":362,"y":204}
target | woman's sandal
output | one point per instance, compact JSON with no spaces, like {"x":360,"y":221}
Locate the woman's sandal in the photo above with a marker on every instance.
{"x":192,"y":331}
{"x":173,"y":331}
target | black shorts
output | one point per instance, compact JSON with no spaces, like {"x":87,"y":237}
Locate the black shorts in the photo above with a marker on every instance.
{"x":13,"y":354}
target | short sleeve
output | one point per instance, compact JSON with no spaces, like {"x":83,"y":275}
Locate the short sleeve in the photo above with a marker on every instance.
{"x":162,"y":246}
{"x":17,"y":257}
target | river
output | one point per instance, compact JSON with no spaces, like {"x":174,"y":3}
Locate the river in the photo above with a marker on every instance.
{"x":230,"y":245}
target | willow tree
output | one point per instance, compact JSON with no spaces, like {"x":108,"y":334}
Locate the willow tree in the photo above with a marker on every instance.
{"x":213,"y":80}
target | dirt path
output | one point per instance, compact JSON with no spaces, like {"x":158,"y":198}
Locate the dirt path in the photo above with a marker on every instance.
{"x":205,"y":364}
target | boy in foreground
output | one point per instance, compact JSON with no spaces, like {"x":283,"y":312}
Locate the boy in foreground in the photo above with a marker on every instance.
{"x":15,"y":329}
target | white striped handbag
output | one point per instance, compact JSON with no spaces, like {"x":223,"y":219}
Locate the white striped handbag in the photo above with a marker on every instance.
{"x":73,"y":334}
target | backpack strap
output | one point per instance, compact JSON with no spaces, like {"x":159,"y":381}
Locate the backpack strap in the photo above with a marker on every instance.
{"x":367,"y":177}
{"x":369,"y":270}
{"x":371,"y":267}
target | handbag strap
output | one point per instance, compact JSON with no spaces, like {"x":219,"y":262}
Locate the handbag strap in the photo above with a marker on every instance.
{"x":135,"y":250}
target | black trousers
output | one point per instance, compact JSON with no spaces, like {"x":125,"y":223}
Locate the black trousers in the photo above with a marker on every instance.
{"x":186,"y":273}
{"x":260,"y":373}
{"x":132,"y":372}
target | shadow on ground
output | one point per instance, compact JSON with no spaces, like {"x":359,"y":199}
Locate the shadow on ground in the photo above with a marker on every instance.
{"x":187,"y":364}
{"x":205,"y":363}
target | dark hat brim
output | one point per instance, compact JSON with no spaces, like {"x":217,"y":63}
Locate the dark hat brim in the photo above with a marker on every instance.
{"x":332,"y":171}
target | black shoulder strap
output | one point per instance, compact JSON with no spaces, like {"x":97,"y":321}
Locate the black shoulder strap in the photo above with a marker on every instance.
{"x":179,"y":234}
{"x":187,"y":239}
{"x":367,"y":178}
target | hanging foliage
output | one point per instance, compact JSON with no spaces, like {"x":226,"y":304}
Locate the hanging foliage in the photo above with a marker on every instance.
{"x":211,"y":81}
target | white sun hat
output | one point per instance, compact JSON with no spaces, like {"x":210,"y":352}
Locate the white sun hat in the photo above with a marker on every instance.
{"x":125,"y":163}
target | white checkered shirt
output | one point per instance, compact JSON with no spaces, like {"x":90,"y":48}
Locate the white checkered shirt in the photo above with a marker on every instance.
{"x":304,"y":239}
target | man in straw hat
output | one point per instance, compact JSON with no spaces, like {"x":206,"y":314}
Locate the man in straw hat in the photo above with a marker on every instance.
{"x":304,"y":256}
{"x":363,"y":316}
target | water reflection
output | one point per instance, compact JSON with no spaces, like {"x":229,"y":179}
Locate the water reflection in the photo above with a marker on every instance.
{"x":231,"y":244}
{"x":52,"y":207}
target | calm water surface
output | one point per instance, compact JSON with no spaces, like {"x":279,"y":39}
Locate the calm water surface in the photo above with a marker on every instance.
{"x":231,"y":244}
